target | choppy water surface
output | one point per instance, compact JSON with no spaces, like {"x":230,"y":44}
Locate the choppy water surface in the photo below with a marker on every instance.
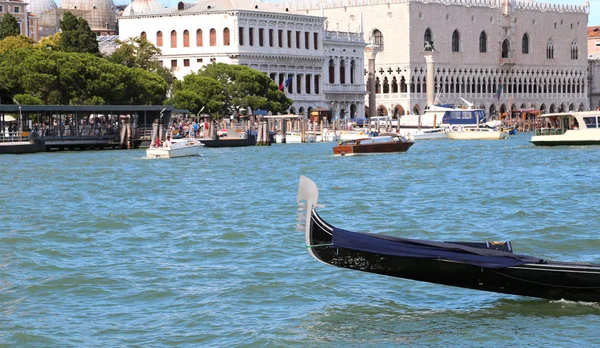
{"x":109,"y":248}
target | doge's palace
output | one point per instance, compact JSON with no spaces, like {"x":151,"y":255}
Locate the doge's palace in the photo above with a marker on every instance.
{"x":493,"y":53}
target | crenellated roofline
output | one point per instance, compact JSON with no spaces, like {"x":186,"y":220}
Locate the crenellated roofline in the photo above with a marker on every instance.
{"x":303,"y":5}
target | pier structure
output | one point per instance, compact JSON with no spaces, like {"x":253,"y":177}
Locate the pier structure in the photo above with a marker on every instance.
{"x":62,"y":127}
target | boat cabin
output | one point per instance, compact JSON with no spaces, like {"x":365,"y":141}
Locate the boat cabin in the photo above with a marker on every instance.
{"x":560,"y":123}
{"x":461,"y":116}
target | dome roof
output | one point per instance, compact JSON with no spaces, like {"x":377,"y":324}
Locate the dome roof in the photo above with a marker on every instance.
{"x":143,"y":7}
{"x":37,"y":7}
{"x":100,"y":14}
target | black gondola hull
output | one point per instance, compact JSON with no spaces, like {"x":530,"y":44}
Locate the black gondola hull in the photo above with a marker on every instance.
{"x":550,"y":280}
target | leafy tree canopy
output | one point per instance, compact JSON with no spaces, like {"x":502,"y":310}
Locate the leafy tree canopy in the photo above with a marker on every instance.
{"x":9,"y":26}
{"x":14,"y":42}
{"x":140,"y":53}
{"x":77,"y":36}
{"x":57,"y":77}
{"x":224,"y":89}
{"x":51,"y":43}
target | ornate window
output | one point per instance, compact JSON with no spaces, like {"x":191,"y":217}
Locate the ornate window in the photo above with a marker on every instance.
{"x":574,"y":50}
{"x":455,"y":41}
{"x":186,"y":38}
{"x":342,"y":72}
{"x":199,"y":38}
{"x":213,"y":37}
{"x":482,"y":42}
{"x":159,"y":38}
{"x":352,"y":71}
{"x":173,"y":39}
{"x":331,"y":71}
{"x":378,"y":39}
{"x":428,"y":37}
{"x":226,"y":37}
{"x":505,"y":48}
{"x":550,"y":49}
{"x":525,"y":44}
{"x":143,"y":35}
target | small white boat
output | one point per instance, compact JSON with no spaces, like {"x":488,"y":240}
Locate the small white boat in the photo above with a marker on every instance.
{"x":178,"y":148}
{"x":296,"y":138}
{"x":476,"y":133}
{"x":571,"y":128}
{"x":429,"y":134}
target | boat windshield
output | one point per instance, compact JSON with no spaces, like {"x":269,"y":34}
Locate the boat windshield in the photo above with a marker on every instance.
{"x":463,"y":117}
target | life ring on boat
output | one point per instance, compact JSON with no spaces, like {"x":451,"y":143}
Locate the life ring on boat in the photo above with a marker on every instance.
{"x":242,"y":134}
{"x":343,"y":153}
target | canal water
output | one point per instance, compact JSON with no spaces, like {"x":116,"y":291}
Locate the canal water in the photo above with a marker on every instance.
{"x":108,"y":248}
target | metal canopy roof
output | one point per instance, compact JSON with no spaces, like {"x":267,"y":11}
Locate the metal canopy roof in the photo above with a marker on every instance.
{"x":10,"y":108}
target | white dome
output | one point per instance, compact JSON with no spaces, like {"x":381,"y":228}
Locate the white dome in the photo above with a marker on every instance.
{"x":37,"y":7}
{"x":100,"y":14}
{"x":143,"y":7}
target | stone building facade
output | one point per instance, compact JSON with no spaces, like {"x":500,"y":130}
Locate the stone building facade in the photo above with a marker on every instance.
{"x":318,"y":68}
{"x":496,"y":54}
{"x":27,"y":21}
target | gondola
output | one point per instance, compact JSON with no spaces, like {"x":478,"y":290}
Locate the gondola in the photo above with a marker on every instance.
{"x":487,"y":266}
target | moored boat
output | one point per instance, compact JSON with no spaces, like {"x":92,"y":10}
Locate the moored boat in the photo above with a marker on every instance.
{"x":571,"y":128}
{"x":476,"y":133}
{"x":177,"y":148}
{"x":379,"y":144}
{"x":487,"y":266}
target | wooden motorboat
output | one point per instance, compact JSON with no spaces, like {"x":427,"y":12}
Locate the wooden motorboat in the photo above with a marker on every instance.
{"x":484,"y":266}
{"x":379,"y":144}
{"x":571,"y":128}
{"x":178,"y":148}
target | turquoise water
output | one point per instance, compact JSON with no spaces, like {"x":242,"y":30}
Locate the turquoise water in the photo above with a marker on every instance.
{"x":108,"y":248}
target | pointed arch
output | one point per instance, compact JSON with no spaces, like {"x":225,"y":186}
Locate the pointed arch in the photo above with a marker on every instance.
{"x":505,"y":48}
{"x":428,"y":36}
{"x":525,"y":44}
{"x":483,"y":42}
{"x":378,"y":39}
{"x":455,"y":41}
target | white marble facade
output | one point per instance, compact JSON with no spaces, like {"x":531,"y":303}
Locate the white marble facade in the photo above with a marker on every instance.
{"x":285,"y":45}
{"x":536,"y":51}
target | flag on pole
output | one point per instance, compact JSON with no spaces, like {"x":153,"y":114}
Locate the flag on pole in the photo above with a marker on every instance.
{"x":499,"y":92}
{"x":285,"y":83}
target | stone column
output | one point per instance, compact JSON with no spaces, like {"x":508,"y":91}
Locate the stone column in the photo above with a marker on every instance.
{"x":429,"y":55}
{"x":371,"y":51}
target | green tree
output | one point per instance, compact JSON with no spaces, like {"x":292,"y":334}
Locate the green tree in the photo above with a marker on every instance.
{"x":77,"y":36}
{"x":13,"y":42}
{"x":140,"y":53}
{"x":9,"y":26}
{"x":238,"y":87}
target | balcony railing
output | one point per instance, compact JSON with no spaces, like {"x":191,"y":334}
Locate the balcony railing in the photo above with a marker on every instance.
{"x":344,"y":88}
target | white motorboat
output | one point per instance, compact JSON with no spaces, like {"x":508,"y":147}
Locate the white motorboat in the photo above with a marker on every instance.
{"x":429,"y":134}
{"x":178,"y":148}
{"x":570,"y":128}
{"x":476,"y":133}
{"x":296,"y":138}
